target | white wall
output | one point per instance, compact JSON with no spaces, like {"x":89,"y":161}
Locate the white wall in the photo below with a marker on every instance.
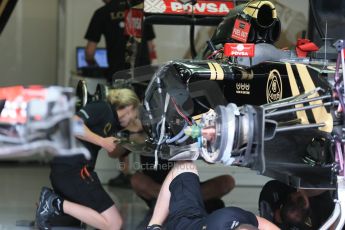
{"x":28,"y":44}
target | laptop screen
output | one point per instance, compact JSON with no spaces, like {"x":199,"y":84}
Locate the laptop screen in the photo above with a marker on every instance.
{"x":100,"y":56}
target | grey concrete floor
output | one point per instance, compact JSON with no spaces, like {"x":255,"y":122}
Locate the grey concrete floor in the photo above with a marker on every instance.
{"x":21,"y":184}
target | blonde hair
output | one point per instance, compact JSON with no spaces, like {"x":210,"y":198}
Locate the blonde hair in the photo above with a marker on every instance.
{"x":122,"y":98}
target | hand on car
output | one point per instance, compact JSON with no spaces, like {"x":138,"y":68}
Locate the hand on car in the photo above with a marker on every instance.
{"x":109,"y":143}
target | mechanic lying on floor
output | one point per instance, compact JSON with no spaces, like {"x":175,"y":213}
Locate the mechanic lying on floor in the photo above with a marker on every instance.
{"x":147,"y":182}
{"x":180,"y":204}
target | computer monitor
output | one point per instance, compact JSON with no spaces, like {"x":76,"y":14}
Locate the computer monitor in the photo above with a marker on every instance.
{"x":100,"y":57}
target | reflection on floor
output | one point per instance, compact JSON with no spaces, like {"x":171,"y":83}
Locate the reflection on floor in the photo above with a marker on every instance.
{"x":21,"y":184}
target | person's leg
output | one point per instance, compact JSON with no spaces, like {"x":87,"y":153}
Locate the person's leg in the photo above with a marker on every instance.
{"x":217,"y":187}
{"x":51,"y":204}
{"x":109,"y":219}
{"x":214,"y":189}
{"x":124,"y":160}
{"x":123,"y":179}
{"x":161,"y":210}
{"x":144,"y":186}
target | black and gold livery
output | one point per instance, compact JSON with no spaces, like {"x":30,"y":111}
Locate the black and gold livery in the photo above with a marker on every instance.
{"x":301,"y":93}
{"x":282,"y":114}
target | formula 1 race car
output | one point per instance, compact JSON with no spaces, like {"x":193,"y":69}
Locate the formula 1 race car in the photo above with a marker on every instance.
{"x":246,"y":103}
{"x":231,"y":70}
{"x":36,"y":118}
{"x":280,"y":113}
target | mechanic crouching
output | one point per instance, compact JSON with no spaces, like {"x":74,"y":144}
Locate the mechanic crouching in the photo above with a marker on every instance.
{"x":78,"y":191}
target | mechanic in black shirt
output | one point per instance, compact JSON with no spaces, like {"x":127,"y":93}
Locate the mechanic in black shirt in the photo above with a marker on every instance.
{"x":77,"y":189}
{"x":180,"y":200}
{"x":109,"y":21}
{"x":292,"y":208}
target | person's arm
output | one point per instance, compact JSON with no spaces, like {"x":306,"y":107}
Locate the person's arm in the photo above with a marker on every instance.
{"x":133,"y":126}
{"x":152,"y":50}
{"x":149,"y":35}
{"x":161,"y":210}
{"x":108,"y":143}
{"x":264,"y":224}
{"x":93,"y":36}
{"x":119,"y":151}
{"x":90,"y":51}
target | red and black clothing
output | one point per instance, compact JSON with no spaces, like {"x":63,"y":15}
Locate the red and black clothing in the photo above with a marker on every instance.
{"x":109,"y":21}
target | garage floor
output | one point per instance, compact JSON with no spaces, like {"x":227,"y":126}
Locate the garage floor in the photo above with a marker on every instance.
{"x":21,"y":184}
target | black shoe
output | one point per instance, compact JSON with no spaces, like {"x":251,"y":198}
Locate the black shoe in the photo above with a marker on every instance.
{"x":122,"y":180}
{"x":46,"y":209}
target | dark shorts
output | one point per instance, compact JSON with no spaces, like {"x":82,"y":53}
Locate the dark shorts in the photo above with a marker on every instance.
{"x":187,"y":211}
{"x":67,"y":182}
{"x":186,"y":208}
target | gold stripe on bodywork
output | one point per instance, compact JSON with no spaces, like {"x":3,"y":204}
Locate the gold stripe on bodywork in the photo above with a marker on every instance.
{"x":219,"y":71}
{"x":294,"y":89}
{"x":320,"y":114}
{"x":2,"y":6}
{"x":252,"y":8}
{"x":213,"y":71}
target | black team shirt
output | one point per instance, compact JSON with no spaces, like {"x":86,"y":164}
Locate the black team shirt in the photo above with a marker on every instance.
{"x":101,"y":118}
{"x":109,"y":21}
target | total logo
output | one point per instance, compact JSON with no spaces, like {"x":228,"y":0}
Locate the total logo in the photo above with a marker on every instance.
{"x":239,"y":50}
{"x":243,"y":88}
{"x":202,"y":7}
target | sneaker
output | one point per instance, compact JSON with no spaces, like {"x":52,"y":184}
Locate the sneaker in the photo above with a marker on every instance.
{"x":122,"y":181}
{"x":46,"y":209}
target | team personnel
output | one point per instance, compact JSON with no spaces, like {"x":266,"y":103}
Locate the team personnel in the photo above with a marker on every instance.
{"x":147,"y":183}
{"x":77,"y":189}
{"x":180,"y":204}
{"x":108,"y":21}
{"x":292,"y":208}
